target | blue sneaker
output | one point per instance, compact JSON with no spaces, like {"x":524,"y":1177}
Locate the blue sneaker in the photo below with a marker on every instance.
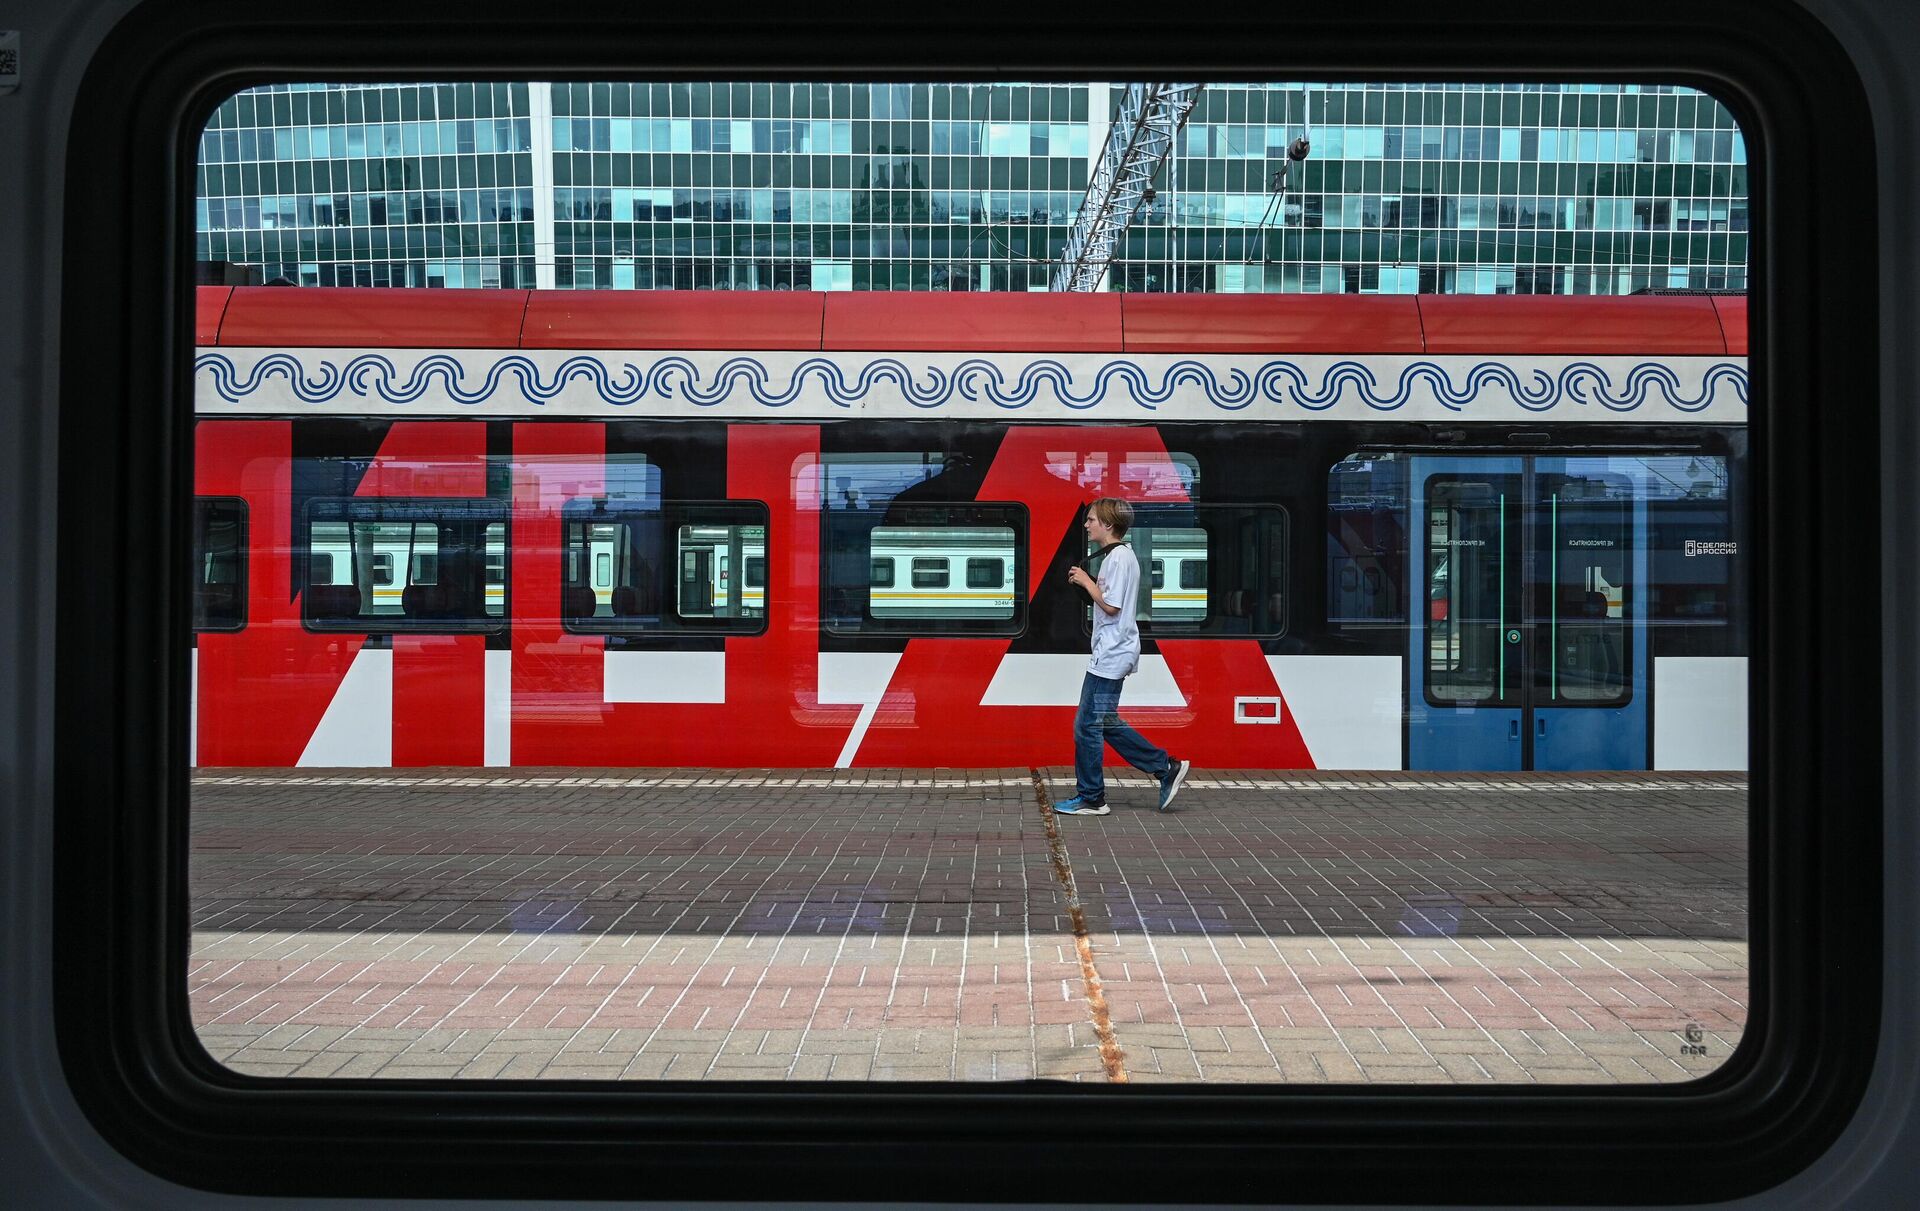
{"x":1171,"y":780}
{"x":1077,"y":806}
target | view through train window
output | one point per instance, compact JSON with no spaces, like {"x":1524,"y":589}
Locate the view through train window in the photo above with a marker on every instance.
{"x":642,"y":658}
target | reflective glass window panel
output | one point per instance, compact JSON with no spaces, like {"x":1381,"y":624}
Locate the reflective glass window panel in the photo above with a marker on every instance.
{"x":636,"y":563}
{"x":987,"y":572}
{"x":1589,"y":550}
{"x":932,"y":592}
{"x":1366,"y":540}
{"x":220,"y":564}
{"x":1468,"y":541}
{"x":356,"y":547}
{"x":928,"y":572}
{"x":1693,"y":550}
{"x":1216,"y":570}
{"x":911,"y":574}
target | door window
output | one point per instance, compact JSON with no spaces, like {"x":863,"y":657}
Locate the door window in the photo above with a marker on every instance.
{"x":1467,"y":650}
{"x":1588,"y":553}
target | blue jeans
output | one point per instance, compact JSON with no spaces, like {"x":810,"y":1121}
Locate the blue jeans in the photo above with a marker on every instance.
{"x":1098,"y":722}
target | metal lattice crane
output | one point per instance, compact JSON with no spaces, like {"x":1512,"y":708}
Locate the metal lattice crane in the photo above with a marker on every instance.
{"x":1139,"y":141}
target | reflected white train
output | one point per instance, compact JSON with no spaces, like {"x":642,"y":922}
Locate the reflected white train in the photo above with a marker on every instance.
{"x":914,"y":573}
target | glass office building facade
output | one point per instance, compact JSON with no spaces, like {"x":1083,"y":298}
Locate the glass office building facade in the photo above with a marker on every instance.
{"x":1568,"y":189}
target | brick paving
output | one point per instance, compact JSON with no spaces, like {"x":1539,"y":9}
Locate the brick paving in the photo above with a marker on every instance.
{"x":917,"y":925}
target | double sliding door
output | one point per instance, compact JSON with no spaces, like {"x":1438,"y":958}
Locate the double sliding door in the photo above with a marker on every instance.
{"x":1527,"y":641}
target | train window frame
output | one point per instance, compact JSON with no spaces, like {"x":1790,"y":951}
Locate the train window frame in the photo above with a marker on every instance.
{"x":961,"y":514}
{"x":1213,"y":627}
{"x":415,"y":510}
{"x":201,"y":505}
{"x":674,"y":513}
{"x":937,"y":576}
{"x":1388,"y":567}
{"x":994,"y":579}
{"x":122,"y":795}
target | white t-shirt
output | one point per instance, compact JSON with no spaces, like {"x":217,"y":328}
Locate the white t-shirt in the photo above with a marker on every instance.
{"x":1116,"y":637}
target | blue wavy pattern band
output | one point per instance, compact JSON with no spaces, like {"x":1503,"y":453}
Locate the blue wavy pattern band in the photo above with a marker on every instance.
{"x":372,"y":376}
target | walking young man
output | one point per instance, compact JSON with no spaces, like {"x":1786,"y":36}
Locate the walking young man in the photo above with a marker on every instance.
{"x":1116,"y":653}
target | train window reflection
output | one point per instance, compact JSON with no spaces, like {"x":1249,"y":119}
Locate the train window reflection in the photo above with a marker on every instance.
{"x":355,"y":548}
{"x":985,"y":593}
{"x":1367,"y":540}
{"x":640,"y":564}
{"x":990,"y":573}
{"x":1469,"y":539}
{"x":925,"y":569}
{"x":1215,"y":569}
{"x":220,"y":565}
{"x":1589,"y":520}
{"x":1693,"y":551}
{"x":931,"y":573}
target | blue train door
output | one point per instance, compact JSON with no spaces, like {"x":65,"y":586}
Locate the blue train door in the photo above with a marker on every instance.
{"x":1527,"y":641}
{"x":1466,"y":695}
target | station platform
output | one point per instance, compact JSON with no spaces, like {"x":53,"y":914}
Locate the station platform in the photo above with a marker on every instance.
{"x":933,"y":925}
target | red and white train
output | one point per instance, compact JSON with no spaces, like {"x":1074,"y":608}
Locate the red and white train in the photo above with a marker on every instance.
{"x":489,"y":528}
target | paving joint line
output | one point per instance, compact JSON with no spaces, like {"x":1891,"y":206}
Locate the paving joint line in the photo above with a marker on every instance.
{"x":1112,"y":1058}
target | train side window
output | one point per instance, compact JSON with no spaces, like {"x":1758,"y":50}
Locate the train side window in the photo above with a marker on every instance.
{"x":1216,"y":570}
{"x":986,"y":573}
{"x":985,"y":543}
{"x":1367,"y":540}
{"x":355,"y":548}
{"x":928,"y":573}
{"x":220,"y":564}
{"x":1693,"y":554}
{"x":637,"y":564}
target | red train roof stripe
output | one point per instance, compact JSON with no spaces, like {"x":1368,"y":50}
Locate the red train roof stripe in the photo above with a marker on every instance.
{"x":209,"y":307}
{"x":803,"y":320}
{"x":374,"y":317}
{"x":1732,"y":310}
{"x":986,"y":323}
{"x":1557,"y":324}
{"x":1272,"y":323}
{"x":660,"y":319}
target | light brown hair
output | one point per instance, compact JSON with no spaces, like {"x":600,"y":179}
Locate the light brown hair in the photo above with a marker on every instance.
{"x":1114,"y":513}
